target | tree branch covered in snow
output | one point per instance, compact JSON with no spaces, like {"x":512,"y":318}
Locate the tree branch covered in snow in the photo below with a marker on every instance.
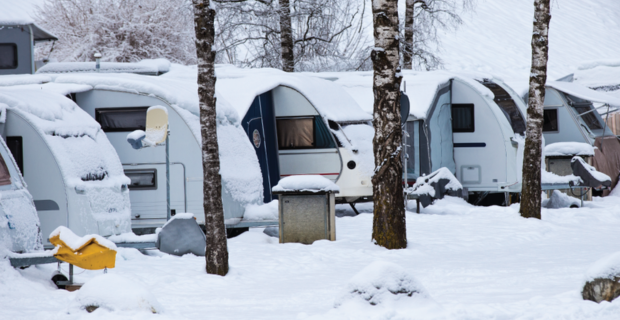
{"x":121,"y":30}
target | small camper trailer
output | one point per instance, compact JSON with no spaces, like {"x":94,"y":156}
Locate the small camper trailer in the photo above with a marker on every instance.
{"x":70,"y":168}
{"x":118,"y":102}
{"x":18,"y":35}
{"x":469,"y":124}
{"x":301,"y":125}
{"x":572,"y":113}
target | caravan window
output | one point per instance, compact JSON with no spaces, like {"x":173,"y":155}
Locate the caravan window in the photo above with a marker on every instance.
{"x":582,"y":106}
{"x":508,"y":106}
{"x":121,"y":119}
{"x":5,"y":176}
{"x":550,"y":122}
{"x":463,"y":118}
{"x":142,"y":179}
{"x":303,"y":133}
{"x":15,"y":145}
{"x":8,"y":56}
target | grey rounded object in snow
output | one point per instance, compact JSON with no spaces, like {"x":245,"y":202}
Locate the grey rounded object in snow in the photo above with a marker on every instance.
{"x":272,"y":231}
{"x":601,"y":289}
{"x":182,"y":236}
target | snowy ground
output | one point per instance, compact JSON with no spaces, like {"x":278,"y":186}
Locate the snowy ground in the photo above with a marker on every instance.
{"x":475,"y":262}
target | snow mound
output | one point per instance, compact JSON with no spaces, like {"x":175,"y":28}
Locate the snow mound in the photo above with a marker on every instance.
{"x":117,"y":293}
{"x":569,"y":149}
{"x":605,"y":268}
{"x":380,"y":282}
{"x":560,"y":200}
{"x":267,"y":211}
{"x":312,"y":183}
{"x":76,"y":242}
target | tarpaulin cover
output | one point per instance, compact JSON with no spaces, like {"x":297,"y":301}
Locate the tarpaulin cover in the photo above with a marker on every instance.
{"x":607,"y":158}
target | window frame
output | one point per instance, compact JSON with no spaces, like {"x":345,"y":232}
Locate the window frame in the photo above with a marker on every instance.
{"x":146,"y":170}
{"x":100,"y":111}
{"x":473,"y":117}
{"x":15,"y":56}
{"x":557,"y":120}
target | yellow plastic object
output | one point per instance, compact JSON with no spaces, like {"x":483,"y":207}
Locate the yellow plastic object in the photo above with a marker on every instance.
{"x":91,"y":255}
{"x":156,"y":124}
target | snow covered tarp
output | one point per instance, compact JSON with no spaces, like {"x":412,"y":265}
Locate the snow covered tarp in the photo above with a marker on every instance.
{"x":569,"y":149}
{"x":306,"y":183}
{"x":182,"y":235}
{"x":588,"y":174}
{"x":435,"y":186}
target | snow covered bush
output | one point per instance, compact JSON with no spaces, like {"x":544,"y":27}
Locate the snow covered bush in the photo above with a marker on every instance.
{"x":116,"y":293}
{"x":381,"y":282}
{"x":603,"y":279}
{"x":121,"y":30}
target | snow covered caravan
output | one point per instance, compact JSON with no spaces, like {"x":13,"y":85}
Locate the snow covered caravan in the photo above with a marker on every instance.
{"x":572,"y":113}
{"x":301,"y":125}
{"x":70,"y":168}
{"x":18,"y":35}
{"x":468,"y":124}
{"x":118,"y":102}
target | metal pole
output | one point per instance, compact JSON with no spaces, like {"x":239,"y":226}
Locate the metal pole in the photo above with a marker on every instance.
{"x":70,"y":273}
{"x":168,"y":176}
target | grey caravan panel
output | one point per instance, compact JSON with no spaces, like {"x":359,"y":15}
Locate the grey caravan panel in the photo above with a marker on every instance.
{"x":20,"y":36}
{"x":41,"y":173}
{"x":438,"y":129}
{"x":568,"y":126}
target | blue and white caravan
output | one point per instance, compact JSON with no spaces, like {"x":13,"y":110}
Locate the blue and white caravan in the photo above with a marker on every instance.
{"x":470,"y":124}
{"x":302,"y":125}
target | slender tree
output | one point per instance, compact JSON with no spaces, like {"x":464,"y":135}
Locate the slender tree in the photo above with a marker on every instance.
{"x":217,"y":250}
{"x":389,"y":212}
{"x":286,"y":36}
{"x":531,"y":192}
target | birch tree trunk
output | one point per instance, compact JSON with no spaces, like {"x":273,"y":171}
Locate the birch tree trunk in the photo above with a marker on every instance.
{"x":408,"y":47}
{"x":286,"y":37}
{"x":388,"y":228}
{"x":531,"y":190}
{"x":217,"y":251}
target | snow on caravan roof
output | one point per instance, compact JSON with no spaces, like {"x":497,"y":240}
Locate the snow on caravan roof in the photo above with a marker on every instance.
{"x":583,"y":92}
{"x":146,"y":67}
{"x":76,"y":140}
{"x":20,"y":13}
{"x":240,"y":87}
{"x":599,"y":75}
{"x":420,"y":87}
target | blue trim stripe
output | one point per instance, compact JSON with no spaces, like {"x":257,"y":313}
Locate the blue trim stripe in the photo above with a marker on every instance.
{"x":470,"y":145}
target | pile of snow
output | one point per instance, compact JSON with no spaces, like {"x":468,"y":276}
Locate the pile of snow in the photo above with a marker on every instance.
{"x":116,"y":293}
{"x":605,"y":268}
{"x":583,"y":92}
{"x":425,"y":184}
{"x":22,"y":79}
{"x":560,"y":200}
{"x":380,"y":283}
{"x":303,"y":183}
{"x":146,"y":66}
{"x":132,"y":237}
{"x":569,"y":149}
{"x":267,"y":211}
{"x":76,"y":242}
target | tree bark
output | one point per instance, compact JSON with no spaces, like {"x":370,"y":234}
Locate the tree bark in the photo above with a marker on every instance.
{"x":408,"y":47}
{"x":531,"y":190}
{"x":217,"y":251}
{"x":286,"y":37}
{"x":389,"y":213}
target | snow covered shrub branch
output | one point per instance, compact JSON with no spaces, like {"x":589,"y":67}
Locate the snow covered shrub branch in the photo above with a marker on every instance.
{"x":121,"y":30}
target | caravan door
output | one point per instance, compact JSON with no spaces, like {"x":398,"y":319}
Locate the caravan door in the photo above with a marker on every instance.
{"x":259,"y":125}
{"x":439,"y":131}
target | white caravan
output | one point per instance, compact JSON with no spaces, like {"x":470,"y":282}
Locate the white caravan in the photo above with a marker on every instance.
{"x":470,"y":124}
{"x":118,"y":102}
{"x":302,"y":125}
{"x":70,"y":168}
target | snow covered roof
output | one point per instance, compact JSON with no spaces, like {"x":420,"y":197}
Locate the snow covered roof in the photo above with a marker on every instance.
{"x":583,"y":92}
{"x":420,"y":87}
{"x":21,"y":13}
{"x":145,"y":67}
{"x":603,"y":75}
{"x":240,"y":86}
{"x":569,"y":149}
{"x":79,"y":145}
